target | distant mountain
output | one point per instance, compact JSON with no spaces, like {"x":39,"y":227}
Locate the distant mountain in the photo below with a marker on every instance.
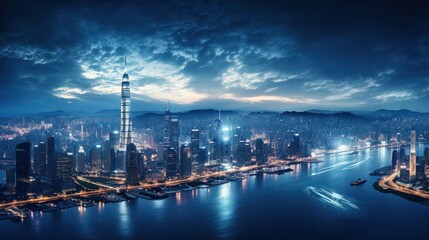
{"x":197,"y":114}
{"x":386,"y":114}
{"x":342,"y":115}
{"x":321,"y":111}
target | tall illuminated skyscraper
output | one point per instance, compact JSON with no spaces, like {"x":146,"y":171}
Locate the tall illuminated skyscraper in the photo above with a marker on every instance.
{"x":413,"y":154}
{"x":125,"y":131}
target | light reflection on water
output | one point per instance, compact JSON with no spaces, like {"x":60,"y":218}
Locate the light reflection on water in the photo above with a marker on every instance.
{"x":264,"y":204}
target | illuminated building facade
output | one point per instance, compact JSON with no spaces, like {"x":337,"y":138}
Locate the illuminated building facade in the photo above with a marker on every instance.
{"x":413,"y":155}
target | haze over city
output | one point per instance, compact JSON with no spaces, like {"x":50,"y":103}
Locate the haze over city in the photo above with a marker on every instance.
{"x":240,"y":55}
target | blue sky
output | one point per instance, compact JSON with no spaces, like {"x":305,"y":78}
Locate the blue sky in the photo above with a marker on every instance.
{"x":242,"y":55}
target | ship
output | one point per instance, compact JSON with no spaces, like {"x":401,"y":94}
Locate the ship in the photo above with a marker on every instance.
{"x":357,"y":182}
{"x":151,"y":195}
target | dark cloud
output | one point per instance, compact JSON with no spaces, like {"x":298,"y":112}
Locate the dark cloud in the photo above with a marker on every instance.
{"x":201,"y":50}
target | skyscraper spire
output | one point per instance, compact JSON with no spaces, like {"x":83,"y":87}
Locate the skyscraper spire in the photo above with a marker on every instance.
{"x":219,"y":114}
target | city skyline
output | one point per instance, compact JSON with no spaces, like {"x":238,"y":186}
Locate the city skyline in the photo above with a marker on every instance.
{"x":238,"y":55}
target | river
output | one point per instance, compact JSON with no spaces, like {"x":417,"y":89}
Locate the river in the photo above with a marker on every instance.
{"x":315,"y":201}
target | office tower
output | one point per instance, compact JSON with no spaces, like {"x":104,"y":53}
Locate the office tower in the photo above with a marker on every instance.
{"x":248,"y":151}
{"x":259,"y":151}
{"x":295,"y":146}
{"x":171,"y":163}
{"x":125,"y":130}
{"x":23,"y":166}
{"x":241,"y":153}
{"x":195,"y":145}
{"x":64,"y":167}
{"x":107,"y":156}
{"x":395,"y":160}
{"x":36,"y":161}
{"x":95,"y":158}
{"x":52,"y":158}
{"x":43,"y":169}
{"x":402,"y":155}
{"x":10,"y":180}
{"x":166,"y":142}
{"x":212,"y":153}
{"x":81,"y":160}
{"x":174,"y":132}
{"x":413,"y":154}
{"x":114,"y":146}
{"x":218,"y":139}
{"x":426,"y":156}
{"x":185,"y":161}
{"x":235,"y":142}
{"x":132,"y":175}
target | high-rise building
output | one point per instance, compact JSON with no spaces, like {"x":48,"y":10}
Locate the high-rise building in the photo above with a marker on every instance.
{"x":52,"y":158}
{"x":43,"y":169}
{"x":259,"y":151}
{"x":114,"y":146}
{"x":171,"y":171}
{"x":195,"y":145}
{"x":295,"y":145}
{"x":81,"y":160}
{"x":413,"y":154}
{"x":426,"y":156}
{"x":132,"y":175}
{"x":395,"y":160}
{"x":402,"y":155}
{"x":166,"y":142}
{"x":107,"y":156}
{"x":10,"y":180}
{"x":23,"y":166}
{"x":185,"y":161}
{"x":64,"y":167}
{"x":36,"y":161}
{"x":95,"y":154}
{"x":174,"y":132}
{"x":126,"y":127}
{"x":241,"y":153}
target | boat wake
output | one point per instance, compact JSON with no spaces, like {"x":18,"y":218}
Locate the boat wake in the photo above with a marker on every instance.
{"x":330,"y":168}
{"x":354,"y":165}
{"x":349,"y":165}
{"x":332,"y":198}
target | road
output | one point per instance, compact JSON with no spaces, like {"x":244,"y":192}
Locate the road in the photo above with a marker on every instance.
{"x":108,"y":189}
{"x":388,"y":183}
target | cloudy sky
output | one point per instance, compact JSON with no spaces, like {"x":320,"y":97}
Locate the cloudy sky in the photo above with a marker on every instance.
{"x":248,"y":55}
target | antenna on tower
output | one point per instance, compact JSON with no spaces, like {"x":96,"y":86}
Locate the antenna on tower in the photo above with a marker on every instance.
{"x":168,"y":104}
{"x":219,"y":114}
{"x":125,"y":64}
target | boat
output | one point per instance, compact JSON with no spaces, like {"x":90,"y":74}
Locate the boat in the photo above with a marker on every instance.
{"x":357,"y":182}
{"x":281,"y":171}
{"x":151,"y":195}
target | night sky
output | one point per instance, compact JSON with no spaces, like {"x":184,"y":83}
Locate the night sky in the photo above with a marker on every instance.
{"x":238,"y":55}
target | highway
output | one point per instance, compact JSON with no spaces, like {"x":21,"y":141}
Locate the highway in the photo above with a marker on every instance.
{"x":108,"y":189}
{"x":388,"y":183}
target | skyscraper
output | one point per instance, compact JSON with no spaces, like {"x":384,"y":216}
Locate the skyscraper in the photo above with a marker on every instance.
{"x":107,"y":156}
{"x":81,"y":160}
{"x":64,"y":167}
{"x":413,"y":154}
{"x":131,"y":165}
{"x":43,"y":169}
{"x":195,"y":145}
{"x":395,"y":160}
{"x":36,"y":161}
{"x":166,"y":142}
{"x":171,"y":163}
{"x":185,"y":161}
{"x":259,"y":151}
{"x":23,"y":166}
{"x":174,"y":132}
{"x":95,"y":158}
{"x":52,"y":158}
{"x":125,"y":130}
